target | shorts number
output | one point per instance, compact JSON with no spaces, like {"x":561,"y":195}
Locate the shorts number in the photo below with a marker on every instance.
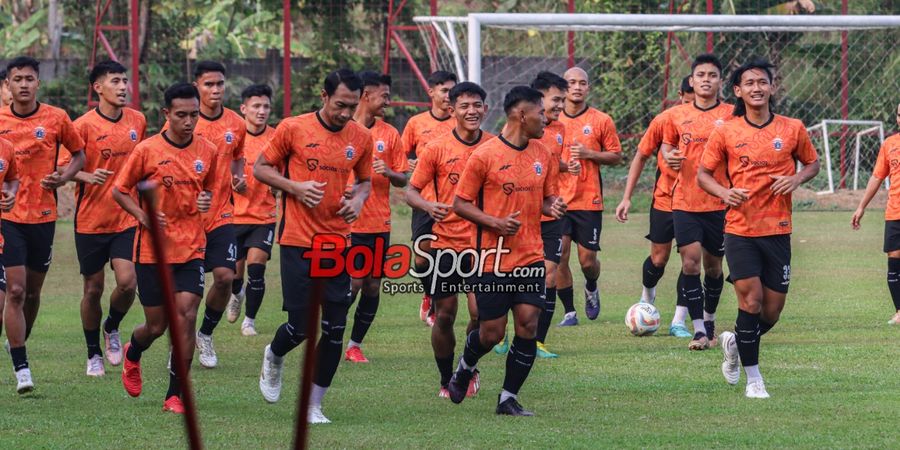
{"x":787,"y":272}
{"x":232,"y":252}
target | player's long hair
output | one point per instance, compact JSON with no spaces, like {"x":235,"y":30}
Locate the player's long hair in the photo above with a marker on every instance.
{"x":756,"y":63}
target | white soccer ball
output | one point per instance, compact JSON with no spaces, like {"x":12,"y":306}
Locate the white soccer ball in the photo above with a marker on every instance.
{"x":642,"y":319}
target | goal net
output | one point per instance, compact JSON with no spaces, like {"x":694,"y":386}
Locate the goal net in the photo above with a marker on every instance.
{"x":828,"y":67}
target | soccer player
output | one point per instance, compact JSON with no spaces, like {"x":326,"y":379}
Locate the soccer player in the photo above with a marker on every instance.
{"x":439,"y":168}
{"x":36,"y":131}
{"x":887,"y":165}
{"x":662,"y":230}
{"x":9,"y":187}
{"x":759,"y":151}
{"x":373,"y":228}
{"x":104,"y":232}
{"x":226,"y":129}
{"x":183,"y":166}
{"x":320,"y":150}
{"x":419,"y":130}
{"x":593,"y":142}
{"x":699,"y":218}
{"x":507,"y":184}
{"x":6,"y":96}
{"x":255,"y":213}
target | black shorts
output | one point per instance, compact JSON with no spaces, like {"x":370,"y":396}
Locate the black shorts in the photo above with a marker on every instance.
{"x":552,"y":238}
{"x":188,"y":277}
{"x":421,"y":223}
{"x":297,"y":283}
{"x":891,"y":235}
{"x":662,"y":227}
{"x":28,"y":244}
{"x":2,"y":275}
{"x":221,"y":248}
{"x":707,"y":228}
{"x":496,"y":296}
{"x":450,"y":280}
{"x":253,"y":236}
{"x":766,"y":257}
{"x":95,"y":250}
{"x":583,"y":227}
{"x":369,"y":241}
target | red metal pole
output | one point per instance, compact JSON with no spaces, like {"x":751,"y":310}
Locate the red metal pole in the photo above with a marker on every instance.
{"x":412,"y":62}
{"x":667,"y":69}
{"x":709,"y":35}
{"x":845,"y":96}
{"x":135,"y":27}
{"x":570,"y":37}
{"x":388,"y":27}
{"x":286,"y":59}
{"x":301,"y":436}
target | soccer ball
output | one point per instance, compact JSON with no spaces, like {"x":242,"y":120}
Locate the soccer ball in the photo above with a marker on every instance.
{"x":642,"y":319}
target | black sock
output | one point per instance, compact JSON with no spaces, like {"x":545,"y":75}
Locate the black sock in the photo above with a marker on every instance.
{"x":651,"y":273}
{"x":893,"y":280}
{"x":286,"y":338}
{"x":566,"y":297}
{"x":19,"y":358}
{"x":546,"y":316}
{"x":256,"y":288}
{"x":330,"y":349}
{"x":764,"y":326}
{"x":474,"y":350}
{"x":113,"y":320}
{"x":746,"y":327}
{"x":710,"y":326}
{"x":236,"y":285}
{"x":712,"y":291}
{"x":135,"y":350}
{"x":211,"y":318}
{"x":92,"y":338}
{"x":590,"y":284}
{"x":445,"y":368}
{"x":174,"y":384}
{"x":362,"y":319}
{"x":693,"y":296}
{"x":518,"y":363}
{"x":679,"y":291}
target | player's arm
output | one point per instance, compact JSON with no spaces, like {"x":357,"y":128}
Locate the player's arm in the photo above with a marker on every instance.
{"x":470,"y":184}
{"x":553,"y":205}
{"x":605,"y":158}
{"x":74,"y":143}
{"x":310,"y":193}
{"x":785,"y":184}
{"x":8,"y":196}
{"x":421,"y":176}
{"x":380,"y":167}
{"x":871,"y":190}
{"x":672,"y":156}
{"x":131,"y":174}
{"x":634,"y":173}
{"x":351,"y":207}
{"x":714,"y":157}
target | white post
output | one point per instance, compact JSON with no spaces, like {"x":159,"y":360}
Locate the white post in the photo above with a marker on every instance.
{"x":827,"y":158}
{"x":474,"y":42}
{"x":856,"y":163}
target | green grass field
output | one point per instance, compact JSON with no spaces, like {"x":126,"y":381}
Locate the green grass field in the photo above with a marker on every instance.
{"x":831,"y":367}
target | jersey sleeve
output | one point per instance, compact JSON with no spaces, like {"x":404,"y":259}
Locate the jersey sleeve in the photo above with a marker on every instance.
{"x":238,"y":151}
{"x":426,"y":168}
{"x":651,"y":139}
{"x":363,"y":168}
{"x":279,"y":147}
{"x":551,"y":187}
{"x":473,"y":177}
{"x":12,"y":170}
{"x":142,"y":128}
{"x":882,"y":167}
{"x":132,"y":172}
{"x":669,"y":133}
{"x":399,"y":162}
{"x":408,"y":139}
{"x":805,"y":152}
{"x":209,"y":181}
{"x":610,"y":137}
{"x":69,"y":137}
{"x":714,"y":151}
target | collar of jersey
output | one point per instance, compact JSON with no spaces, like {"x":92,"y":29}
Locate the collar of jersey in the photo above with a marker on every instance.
{"x":109,"y":119}
{"x":431,"y":113}
{"x":706,"y":109}
{"x":760,"y":127}
{"x":586,"y":108}
{"x":213,"y":119}
{"x":258,"y":134}
{"x":181,"y":146}
{"x":510,"y":144}
{"x":326,"y":126}
{"x":25,"y":116}
{"x":470,"y":144}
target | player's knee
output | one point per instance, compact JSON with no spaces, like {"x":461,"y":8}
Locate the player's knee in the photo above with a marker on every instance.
{"x":690,"y":266}
{"x":491,"y":336}
{"x":93,"y":291}
{"x":156,"y":329}
{"x":127,"y":284}
{"x":527,"y":330}
{"x":371,"y":286}
{"x":222,"y":282}
{"x":713,"y":270}
{"x":444,"y":319}
{"x":659,"y":257}
{"x":15,"y":294}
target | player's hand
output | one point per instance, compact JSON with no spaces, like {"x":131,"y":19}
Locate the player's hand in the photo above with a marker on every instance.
{"x":558,"y":208}
{"x":509,"y":226}
{"x":52,"y":181}
{"x":379,"y":167}
{"x":855,"y":222}
{"x":161,"y":217}
{"x":350,"y":209}
{"x":204,"y":201}
{"x":577,"y":150}
{"x":673,"y":159}
{"x":100,"y":176}
{"x":238,"y":184}
{"x":784,"y":184}
{"x":622,"y":210}
{"x":144,"y":220}
{"x":412,"y":164}
{"x":574,"y":167}
{"x":310,"y":193}
{"x":7,"y":201}
{"x":735,"y":196}
{"x":438,"y":211}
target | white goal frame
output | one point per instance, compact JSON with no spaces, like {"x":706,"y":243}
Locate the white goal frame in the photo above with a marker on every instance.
{"x":874,"y":126}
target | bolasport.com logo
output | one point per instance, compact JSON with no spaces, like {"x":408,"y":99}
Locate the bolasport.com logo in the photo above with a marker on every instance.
{"x":444,"y":270}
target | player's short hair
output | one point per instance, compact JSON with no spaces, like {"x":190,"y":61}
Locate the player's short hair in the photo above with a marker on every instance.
{"x":346,"y":77}
{"x":706,"y":58}
{"x":256,"y":90}
{"x":520,"y":94}
{"x":21,"y":62}
{"x":372,"y":78}
{"x":208,"y":66}
{"x":466,"y":87}
{"x":546,"y":80}
{"x":2,"y":74}
{"x":441,"y":77}
{"x":104,"y":68}
{"x":686,"y":87}
{"x":755,"y":63}
{"x":180,"y":90}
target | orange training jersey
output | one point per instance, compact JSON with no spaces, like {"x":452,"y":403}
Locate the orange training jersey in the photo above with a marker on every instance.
{"x":312,"y":151}
{"x":751,"y":154}
{"x":421,"y":129}
{"x":227,"y":133}
{"x":8,"y":170}
{"x":665,"y":176}
{"x":37,"y":138}
{"x":597,"y":132}
{"x":181,"y":172}
{"x":688,"y":129}
{"x":107,"y":144}
{"x":502,"y":179}
{"x":554,"y":139}
{"x":257,"y":204}
{"x":439,"y":168}
{"x":376,"y":213}
{"x":888,"y":165}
